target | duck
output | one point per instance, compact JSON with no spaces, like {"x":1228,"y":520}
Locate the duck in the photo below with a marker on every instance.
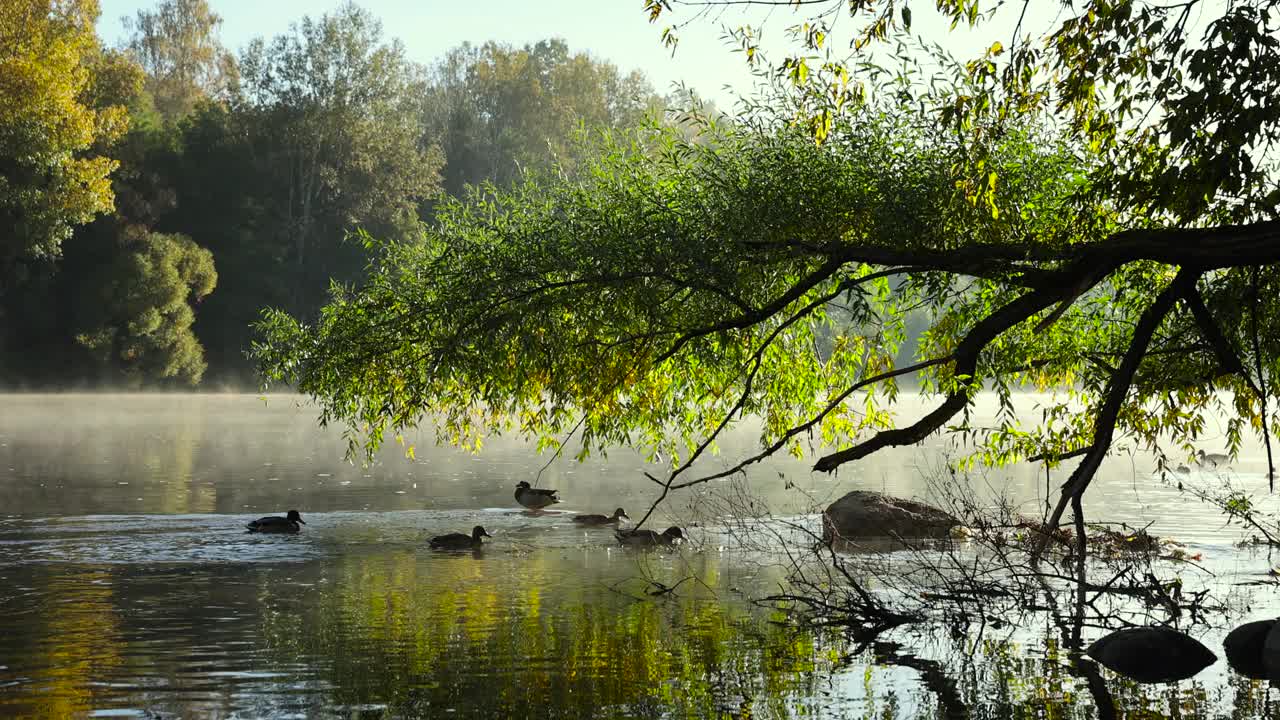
{"x":535,"y":498}
{"x":649,"y":537}
{"x":618,"y":515}
{"x":1152,"y":654}
{"x":458,"y":541}
{"x":1211,"y":460}
{"x":276,"y":524}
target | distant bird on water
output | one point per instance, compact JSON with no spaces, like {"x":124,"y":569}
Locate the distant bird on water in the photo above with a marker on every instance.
{"x":649,"y":537}
{"x":1212,"y":460}
{"x":535,"y":498}
{"x":458,"y":541}
{"x":276,"y":524}
{"x":618,"y":515}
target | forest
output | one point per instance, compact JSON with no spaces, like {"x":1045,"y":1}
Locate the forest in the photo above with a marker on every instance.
{"x":166,"y":191}
{"x":946,"y":354}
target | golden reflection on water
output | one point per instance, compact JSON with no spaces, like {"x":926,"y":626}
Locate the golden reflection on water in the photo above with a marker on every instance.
{"x":76,"y":643}
{"x":411,"y":633}
{"x":127,"y":585}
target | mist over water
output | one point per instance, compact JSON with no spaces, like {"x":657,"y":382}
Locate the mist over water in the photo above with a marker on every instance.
{"x":128,"y":584}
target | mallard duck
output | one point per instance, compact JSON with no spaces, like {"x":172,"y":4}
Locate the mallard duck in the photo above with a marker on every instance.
{"x":649,"y":537}
{"x":535,"y":498}
{"x":276,"y":524}
{"x":1211,"y":460}
{"x":458,"y":541}
{"x":618,"y":514}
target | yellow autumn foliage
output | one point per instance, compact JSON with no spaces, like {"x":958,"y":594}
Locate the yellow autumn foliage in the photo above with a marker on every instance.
{"x":53,"y":124}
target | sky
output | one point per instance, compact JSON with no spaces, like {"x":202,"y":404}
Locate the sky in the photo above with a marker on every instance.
{"x":613,"y":30}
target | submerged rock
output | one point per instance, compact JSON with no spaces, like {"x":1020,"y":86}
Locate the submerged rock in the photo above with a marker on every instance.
{"x":1152,"y":654}
{"x":1271,"y":653}
{"x":1244,"y":647}
{"x":865,"y":514}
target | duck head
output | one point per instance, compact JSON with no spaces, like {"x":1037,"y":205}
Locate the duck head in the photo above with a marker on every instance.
{"x":620,"y":513}
{"x":674,"y":533}
{"x":478,"y":532}
{"x":522,"y":485}
{"x":293,"y":516}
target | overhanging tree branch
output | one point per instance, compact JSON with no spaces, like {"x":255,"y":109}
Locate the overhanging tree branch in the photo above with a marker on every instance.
{"x":1117,"y":390}
{"x":966,"y":363}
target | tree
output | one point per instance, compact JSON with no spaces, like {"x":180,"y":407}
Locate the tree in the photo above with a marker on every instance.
{"x":674,"y":286}
{"x":1094,"y":214}
{"x":331,"y":111}
{"x":135,"y":310}
{"x":62,"y":107}
{"x":177,"y":47}
{"x":321,"y":138}
{"x":1174,"y":99}
{"x":55,"y":175}
{"x":499,"y":110}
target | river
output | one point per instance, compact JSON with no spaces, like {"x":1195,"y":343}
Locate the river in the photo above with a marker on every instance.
{"x":129,"y":587}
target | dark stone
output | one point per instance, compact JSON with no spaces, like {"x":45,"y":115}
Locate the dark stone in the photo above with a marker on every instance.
{"x":1244,"y":647}
{"x":1271,"y":654}
{"x":865,"y":514}
{"x":1152,"y":654}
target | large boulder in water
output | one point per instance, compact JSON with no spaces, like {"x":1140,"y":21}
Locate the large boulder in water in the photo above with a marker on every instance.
{"x":1244,"y":647}
{"x":1271,"y":654}
{"x":865,"y":514}
{"x":1152,"y":654}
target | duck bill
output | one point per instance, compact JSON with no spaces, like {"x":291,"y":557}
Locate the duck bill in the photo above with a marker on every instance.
{"x":304,"y":522}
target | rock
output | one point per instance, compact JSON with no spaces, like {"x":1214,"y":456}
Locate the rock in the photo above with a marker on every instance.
{"x":1244,"y":647}
{"x":864,"y":514}
{"x":1271,"y":654}
{"x":1152,"y":654}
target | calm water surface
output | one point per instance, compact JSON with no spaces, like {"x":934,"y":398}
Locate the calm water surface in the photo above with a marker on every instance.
{"x":128,"y":586}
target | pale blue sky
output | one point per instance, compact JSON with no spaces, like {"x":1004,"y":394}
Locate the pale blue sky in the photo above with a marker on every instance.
{"x":616,"y":30}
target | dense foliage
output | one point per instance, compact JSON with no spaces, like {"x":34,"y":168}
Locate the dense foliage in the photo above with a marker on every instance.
{"x":1089,"y":211}
{"x":177,"y":47}
{"x":136,"y":312}
{"x":500,"y":110}
{"x":54,"y":125}
{"x":261,"y":164}
{"x":676,"y":286}
{"x":1174,"y":99}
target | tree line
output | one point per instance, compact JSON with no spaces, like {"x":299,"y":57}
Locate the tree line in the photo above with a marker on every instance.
{"x":156,"y":196}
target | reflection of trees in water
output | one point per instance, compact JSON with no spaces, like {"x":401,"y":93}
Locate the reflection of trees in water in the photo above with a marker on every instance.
{"x":1013,"y":626}
{"x":69,"y":646}
{"x":422,"y":637}
{"x":1002,"y":679}
{"x":516,"y":635}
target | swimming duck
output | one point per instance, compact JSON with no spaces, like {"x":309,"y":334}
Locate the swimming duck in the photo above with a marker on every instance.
{"x":458,"y":541}
{"x":1212,"y":460}
{"x":618,"y":514}
{"x":276,"y":524}
{"x":649,"y":537}
{"x":535,"y":498}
